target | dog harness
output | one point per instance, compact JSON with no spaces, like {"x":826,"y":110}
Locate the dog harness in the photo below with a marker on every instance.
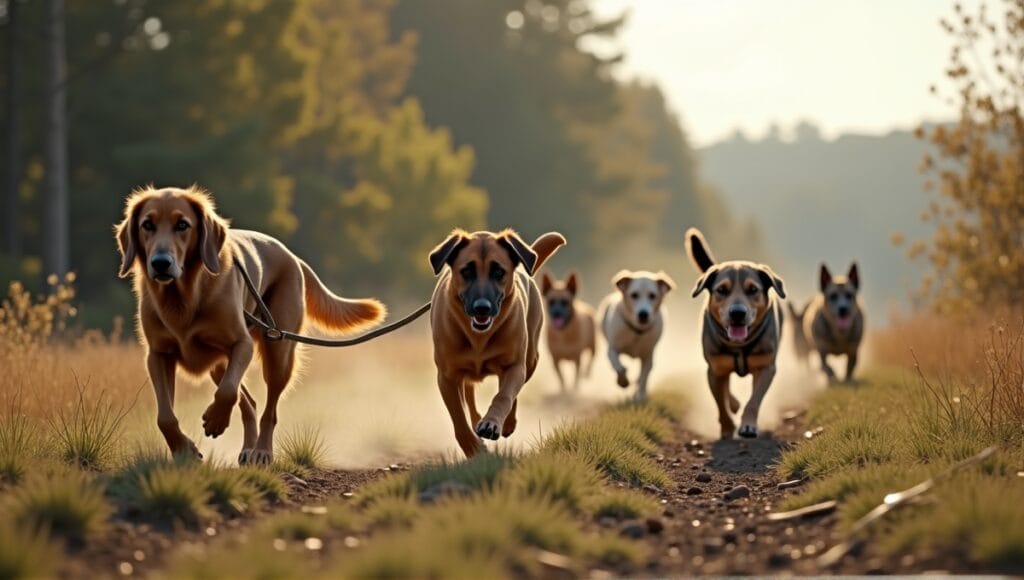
{"x":741,"y":354}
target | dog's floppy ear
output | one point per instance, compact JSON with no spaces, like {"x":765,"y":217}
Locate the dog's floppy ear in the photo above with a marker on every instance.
{"x":665,"y":283}
{"x":824,"y":277}
{"x":127,"y":238}
{"x":771,"y":280}
{"x":622,"y":280}
{"x":854,"y":276}
{"x":521,"y":253}
{"x":572,"y":284}
{"x":545,"y":283}
{"x":447,"y":250}
{"x":212,"y":234}
{"x":704,"y":282}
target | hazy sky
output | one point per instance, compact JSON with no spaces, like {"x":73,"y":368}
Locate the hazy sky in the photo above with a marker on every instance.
{"x":859,"y":65}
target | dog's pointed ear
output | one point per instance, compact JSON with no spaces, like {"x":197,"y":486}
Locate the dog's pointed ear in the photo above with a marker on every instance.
{"x":519,"y":250}
{"x":665,"y":282}
{"x":771,"y":280}
{"x":213,"y":231}
{"x":128,"y":238}
{"x":546,"y":283}
{"x":854,"y":276}
{"x":704,"y":282}
{"x":572,"y":284}
{"x":446,"y":251}
{"x":824,"y":277}
{"x":622,"y":280}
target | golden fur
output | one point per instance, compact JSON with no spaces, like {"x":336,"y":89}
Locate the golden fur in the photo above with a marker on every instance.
{"x":571,"y":330}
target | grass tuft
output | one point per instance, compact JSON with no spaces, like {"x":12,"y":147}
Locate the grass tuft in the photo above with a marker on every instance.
{"x":171,"y":495}
{"x":230,"y":492}
{"x":623,"y":504}
{"x":479,"y":473}
{"x":24,"y":553}
{"x":88,"y":433}
{"x":70,"y":505}
{"x":304,"y":446}
{"x":267,"y":482}
{"x":558,"y":476}
{"x":617,"y":449}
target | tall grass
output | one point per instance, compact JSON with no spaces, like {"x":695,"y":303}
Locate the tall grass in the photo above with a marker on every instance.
{"x":88,"y":434}
{"x":304,"y":446}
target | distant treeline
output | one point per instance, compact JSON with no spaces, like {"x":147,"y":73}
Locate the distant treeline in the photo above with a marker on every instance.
{"x":358,"y":131}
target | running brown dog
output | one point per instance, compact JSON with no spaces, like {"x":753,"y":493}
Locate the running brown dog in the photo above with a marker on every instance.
{"x":834,"y":323}
{"x":181,"y":255}
{"x":486,"y":317}
{"x":571,"y":327}
{"x":742,"y":328}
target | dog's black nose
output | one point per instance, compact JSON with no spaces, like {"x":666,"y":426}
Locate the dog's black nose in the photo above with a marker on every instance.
{"x":161,"y":263}
{"x":737,"y":315}
{"x":643,"y":316}
{"x":844,"y":311}
{"x":481,"y":307}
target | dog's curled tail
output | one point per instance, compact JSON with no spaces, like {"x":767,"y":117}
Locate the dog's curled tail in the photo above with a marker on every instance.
{"x":697,"y":248}
{"x":332,"y":312}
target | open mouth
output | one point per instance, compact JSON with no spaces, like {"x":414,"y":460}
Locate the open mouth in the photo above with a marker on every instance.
{"x":738,"y":332}
{"x":163,"y":278}
{"x":844,"y":322}
{"x":557,"y":321}
{"x":482,"y":323}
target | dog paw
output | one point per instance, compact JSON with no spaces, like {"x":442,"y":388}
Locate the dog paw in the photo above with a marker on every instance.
{"x":186,"y":449}
{"x":488,"y":429}
{"x":255,"y":457}
{"x":748,"y":431}
{"x":217,"y":417}
{"x":640,"y":397}
{"x":623,"y":380}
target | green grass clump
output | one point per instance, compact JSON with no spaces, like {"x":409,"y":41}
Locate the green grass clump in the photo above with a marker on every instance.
{"x":25,"y":553}
{"x":70,"y":505}
{"x":559,"y":476}
{"x":623,"y":504}
{"x":853,"y":442}
{"x":478,"y":473}
{"x":304,"y":447}
{"x":171,"y":495}
{"x":615,"y":551}
{"x":621,"y":452}
{"x":267,"y":482}
{"x":230,"y":491}
{"x":88,"y":434}
{"x":393,"y":512}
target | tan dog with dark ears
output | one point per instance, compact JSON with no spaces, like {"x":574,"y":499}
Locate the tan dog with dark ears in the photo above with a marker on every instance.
{"x":191,"y":298}
{"x":834,"y":323}
{"x":632,"y":319}
{"x":741,"y":329}
{"x":486,"y":316}
{"x":571,"y":327}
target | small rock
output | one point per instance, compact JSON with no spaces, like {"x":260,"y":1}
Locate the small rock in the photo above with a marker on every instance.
{"x":729,"y":537}
{"x":693,"y":444}
{"x":694,"y":491}
{"x":778,"y":559}
{"x":737,"y":492}
{"x":607,"y":521}
{"x":394,"y":467}
{"x":713,"y":545}
{"x":654,"y":525}
{"x":633,"y":530}
{"x":703,"y":477}
{"x":652,"y":488}
{"x":668,"y":514}
{"x":293,"y":480}
{"x":554,"y":560}
{"x":348,"y":495}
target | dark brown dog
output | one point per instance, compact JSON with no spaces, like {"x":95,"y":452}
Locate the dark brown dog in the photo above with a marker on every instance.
{"x":486,"y":317}
{"x":571,"y":328}
{"x":742,"y":328}
{"x":190,"y":302}
{"x":834,"y":322}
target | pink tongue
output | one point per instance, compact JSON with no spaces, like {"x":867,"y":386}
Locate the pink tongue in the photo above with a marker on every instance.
{"x":844,"y":323}
{"x":557,"y":322}
{"x":738,"y":332}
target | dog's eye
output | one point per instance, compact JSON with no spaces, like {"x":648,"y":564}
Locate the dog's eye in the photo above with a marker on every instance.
{"x":652,"y":296}
{"x":752,"y":291}
{"x":181,"y":226}
{"x":634,"y":295}
{"x":833,"y":297}
{"x":497,"y":273}
{"x":468,"y":272}
{"x":722,"y":291}
{"x":148,"y":225}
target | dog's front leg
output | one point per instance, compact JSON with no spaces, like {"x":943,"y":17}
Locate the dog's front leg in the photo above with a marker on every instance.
{"x":218,"y":414}
{"x":509,"y":385}
{"x":620,"y":370}
{"x":161,"y":373}
{"x":762,"y":380}
{"x":851,"y":363}
{"x":720,"y":391}
{"x":646,"y":364}
{"x":452,"y":393}
{"x":558,"y":371}
{"x":831,"y":374}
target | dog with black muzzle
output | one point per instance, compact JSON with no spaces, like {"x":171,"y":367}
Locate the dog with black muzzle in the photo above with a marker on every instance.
{"x":571,"y":327}
{"x":486,"y":316}
{"x":834,"y":323}
{"x":632,"y":320}
{"x":741,"y":329}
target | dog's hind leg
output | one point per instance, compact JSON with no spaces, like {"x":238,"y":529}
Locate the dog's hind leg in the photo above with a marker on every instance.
{"x":469,"y":392}
{"x":851,"y":364}
{"x":762,"y":380}
{"x":247,"y":407}
{"x":831,"y":374}
{"x":720,"y":390}
{"x":577,"y":371}
{"x":646,"y":365}
{"x":558,"y":372}
{"x":453,"y":401}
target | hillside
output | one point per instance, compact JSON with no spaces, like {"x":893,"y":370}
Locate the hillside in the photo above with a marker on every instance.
{"x":828,"y":200}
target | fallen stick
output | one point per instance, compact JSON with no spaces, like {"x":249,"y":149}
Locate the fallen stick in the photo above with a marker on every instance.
{"x":893,"y":501}
{"x":811,"y":510}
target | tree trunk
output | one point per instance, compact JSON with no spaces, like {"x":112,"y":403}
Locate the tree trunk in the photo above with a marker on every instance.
{"x":11,"y":211}
{"x":55,"y":202}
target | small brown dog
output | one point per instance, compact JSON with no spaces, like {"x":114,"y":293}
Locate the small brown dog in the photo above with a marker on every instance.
{"x":486,"y":317}
{"x":571,"y":326}
{"x":834,"y":323}
{"x":741,"y":329}
{"x":191,"y":299}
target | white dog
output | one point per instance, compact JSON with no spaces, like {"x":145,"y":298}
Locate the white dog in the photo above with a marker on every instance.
{"x":632,"y":320}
